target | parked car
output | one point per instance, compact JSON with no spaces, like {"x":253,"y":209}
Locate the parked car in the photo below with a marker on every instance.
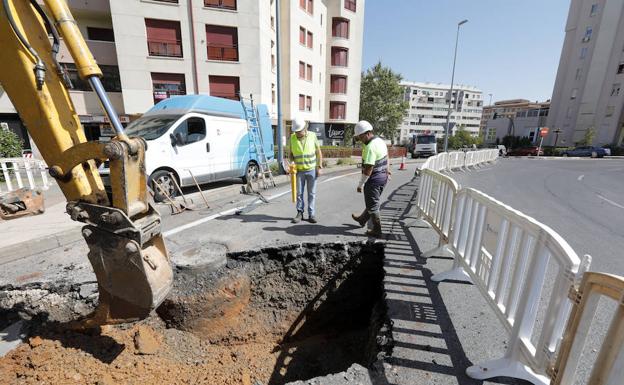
{"x":607,"y":151}
{"x":526,"y":151}
{"x":594,"y":152}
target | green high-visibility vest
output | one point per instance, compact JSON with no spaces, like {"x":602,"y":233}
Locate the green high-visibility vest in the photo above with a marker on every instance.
{"x":304,"y":151}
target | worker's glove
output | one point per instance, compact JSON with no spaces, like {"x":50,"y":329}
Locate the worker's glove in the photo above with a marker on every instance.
{"x":363,"y":180}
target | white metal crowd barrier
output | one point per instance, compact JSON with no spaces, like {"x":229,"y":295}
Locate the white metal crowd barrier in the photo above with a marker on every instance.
{"x":456,"y":160}
{"x":507,"y":254}
{"x":608,"y":367}
{"x":23,"y":172}
{"x":436,"y":198}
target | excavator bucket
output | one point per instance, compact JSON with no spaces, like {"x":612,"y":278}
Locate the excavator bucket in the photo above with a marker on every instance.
{"x":20,"y":203}
{"x":132,"y":281}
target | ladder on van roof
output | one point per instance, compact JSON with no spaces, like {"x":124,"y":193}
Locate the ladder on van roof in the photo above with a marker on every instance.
{"x":255,"y":135}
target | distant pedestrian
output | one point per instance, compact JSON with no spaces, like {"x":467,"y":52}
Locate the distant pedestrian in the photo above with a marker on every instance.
{"x":375,"y":171}
{"x":305,"y":152}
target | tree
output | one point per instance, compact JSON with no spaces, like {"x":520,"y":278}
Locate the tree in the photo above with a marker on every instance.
{"x":588,"y":138}
{"x":462,"y":138}
{"x":382,"y":101}
{"x":10,"y":144}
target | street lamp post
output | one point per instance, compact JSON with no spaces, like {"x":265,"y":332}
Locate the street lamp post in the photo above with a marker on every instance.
{"x":448,"y":114}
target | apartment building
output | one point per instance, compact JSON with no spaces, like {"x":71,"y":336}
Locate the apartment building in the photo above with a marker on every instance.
{"x":588,"y":89}
{"x":150,"y":50}
{"x":428,"y":107}
{"x":517,"y":117}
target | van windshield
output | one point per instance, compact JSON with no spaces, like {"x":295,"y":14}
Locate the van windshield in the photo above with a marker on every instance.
{"x":151,"y":127}
{"x":426,"y":139}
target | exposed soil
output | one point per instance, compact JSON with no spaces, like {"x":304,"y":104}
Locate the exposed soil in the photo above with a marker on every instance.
{"x":270,"y":317}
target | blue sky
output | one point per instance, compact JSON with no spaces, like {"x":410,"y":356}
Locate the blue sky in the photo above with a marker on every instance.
{"x":509,"y":48}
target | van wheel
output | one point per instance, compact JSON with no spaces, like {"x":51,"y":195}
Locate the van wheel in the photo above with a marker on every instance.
{"x":163,"y":177}
{"x":251,"y":172}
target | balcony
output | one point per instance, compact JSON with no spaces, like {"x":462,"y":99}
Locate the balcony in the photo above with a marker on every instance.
{"x":226,"y":95}
{"x":165,"y":48}
{"x":222,"y":52}
{"x":222,"y":4}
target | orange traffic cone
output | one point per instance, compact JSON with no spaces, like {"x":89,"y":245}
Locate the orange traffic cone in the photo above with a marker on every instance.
{"x":402,"y":166}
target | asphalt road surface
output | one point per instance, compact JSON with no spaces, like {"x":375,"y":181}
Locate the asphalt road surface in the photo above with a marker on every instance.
{"x":581,"y":199}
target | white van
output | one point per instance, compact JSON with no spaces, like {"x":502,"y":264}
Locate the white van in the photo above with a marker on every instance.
{"x":201,"y":137}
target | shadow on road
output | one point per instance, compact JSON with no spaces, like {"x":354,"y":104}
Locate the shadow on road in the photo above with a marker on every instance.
{"x":426,"y":344}
{"x":303,"y":229}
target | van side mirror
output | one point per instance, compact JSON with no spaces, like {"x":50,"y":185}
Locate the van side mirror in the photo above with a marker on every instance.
{"x":177,"y":139}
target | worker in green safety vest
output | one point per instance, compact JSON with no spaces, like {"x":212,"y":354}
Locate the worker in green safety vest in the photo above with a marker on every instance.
{"x":305,"y":152}
{"x":375,"y":173}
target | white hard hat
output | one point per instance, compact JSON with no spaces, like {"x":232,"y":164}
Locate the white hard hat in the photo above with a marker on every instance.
{"x":362,"y":126}
{"x":298,"y":124}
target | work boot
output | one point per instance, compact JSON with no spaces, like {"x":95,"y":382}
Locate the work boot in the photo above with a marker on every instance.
{"x":362,"y":219}
{"x":312,"y":219}
{"x":298,"y":218}
{"x":376,"y":230}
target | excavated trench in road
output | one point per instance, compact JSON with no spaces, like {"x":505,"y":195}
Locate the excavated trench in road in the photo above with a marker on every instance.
{"x":274,"y":316}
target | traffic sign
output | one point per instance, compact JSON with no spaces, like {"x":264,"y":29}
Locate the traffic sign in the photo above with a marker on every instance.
{"x":543,"y":131}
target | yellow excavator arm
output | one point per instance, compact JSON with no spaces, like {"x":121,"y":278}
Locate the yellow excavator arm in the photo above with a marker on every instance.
{"x":126,"y":248}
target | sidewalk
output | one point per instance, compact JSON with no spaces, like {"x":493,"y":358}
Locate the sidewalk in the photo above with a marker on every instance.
{"x":27,"y":236}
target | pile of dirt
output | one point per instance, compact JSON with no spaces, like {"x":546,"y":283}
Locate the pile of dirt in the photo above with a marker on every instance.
{"x":270,"y":317}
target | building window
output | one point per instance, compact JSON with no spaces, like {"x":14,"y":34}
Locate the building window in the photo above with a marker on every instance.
{"x":337,"y":110}
{"x":222,"y":43}
{"x":301,"y":70}
{"x":168,"y":1}
{"x":615,"y":89}
{"x":225,"y":87}
{"x":167,"y":85}
{"x":339,"y":57}
{"x":578,"y":74}
{"x":588,"y":34}
{"x":338,"y":84}
{"x":573,"y":94}
{"x":309,"y":103}
{"x":583,"y":52}
{"x":310,"y":40}
{"x":309,"y":72}
{"x":224,"y":4}
{"x":340,"y":27}
{"x":163,"y":38}
{"x":594,"y":10}
{"x":302,"y":36}
{"x":273,"y":63}
{"x":491,"y":134}
{"x":301,"y":102}
{"x":307,"y":5}
{"x":110,"y":79}
{"x":350,"y":5}
{"x":100,"y":34}
{"x":273,"y":22}
{"x":620,"y":68}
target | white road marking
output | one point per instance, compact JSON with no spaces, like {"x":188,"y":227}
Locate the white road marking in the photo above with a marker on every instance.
{"x":580,"y":178}
{"x":610,"y":201}
{"x":198,"y":222}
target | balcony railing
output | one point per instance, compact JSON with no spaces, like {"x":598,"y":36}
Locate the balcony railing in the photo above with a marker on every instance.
{"x":165,"y":94}
{"x":169,"y":48}
{"x":226,"y":95}
{"x":222,"y":52}
{"x":223,"y":4}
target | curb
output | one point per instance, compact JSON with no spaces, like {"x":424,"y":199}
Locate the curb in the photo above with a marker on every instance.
{"x":49,"y":242}
{"x":39,"y":245}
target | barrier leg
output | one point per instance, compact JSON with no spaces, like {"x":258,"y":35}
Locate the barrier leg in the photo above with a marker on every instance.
{"x":455,"y":274}
{"x":506,"y":367}
{"x":440,"y":251}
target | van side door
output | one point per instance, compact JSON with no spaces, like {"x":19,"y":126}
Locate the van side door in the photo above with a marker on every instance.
{"x":192,"y":149}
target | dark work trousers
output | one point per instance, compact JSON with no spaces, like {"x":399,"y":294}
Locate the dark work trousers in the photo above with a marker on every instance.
{"x":372,"y":197}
